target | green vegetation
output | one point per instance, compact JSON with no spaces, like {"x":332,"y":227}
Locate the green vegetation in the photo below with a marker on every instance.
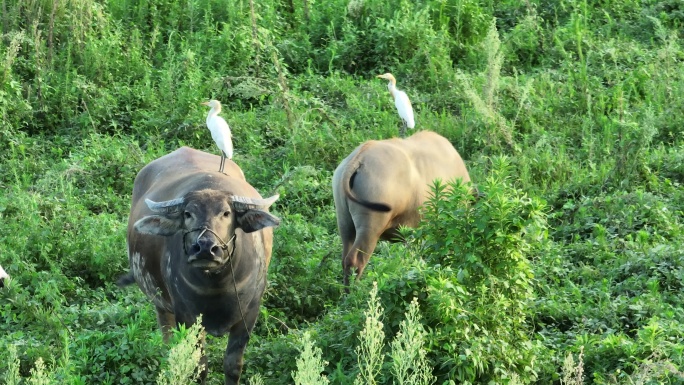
{"x":569,"y":114}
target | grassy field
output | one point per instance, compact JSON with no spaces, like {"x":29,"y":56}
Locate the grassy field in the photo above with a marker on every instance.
{"x":568,"y":113}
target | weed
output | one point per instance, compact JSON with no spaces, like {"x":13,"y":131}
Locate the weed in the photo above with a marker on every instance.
{"x":309,"y":364}
{"x":184,"y":358}
{"x":369,"y":351}
{"x":409,"y":357}
{"x":573,"y":372}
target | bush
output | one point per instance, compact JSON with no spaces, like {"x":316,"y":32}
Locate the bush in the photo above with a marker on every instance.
{"x":480,"y":282}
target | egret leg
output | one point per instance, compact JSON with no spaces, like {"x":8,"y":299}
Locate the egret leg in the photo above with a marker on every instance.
{"x":402,"y":131}
{"x":223,"y":162}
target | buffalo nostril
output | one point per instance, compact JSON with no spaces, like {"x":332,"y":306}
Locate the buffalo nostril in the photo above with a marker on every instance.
{"x":195,"y":248}
{"x":215,"y":250}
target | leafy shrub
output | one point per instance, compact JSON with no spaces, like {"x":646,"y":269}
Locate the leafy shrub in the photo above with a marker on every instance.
{"x":90,"y":346}
{"x":616,"y":215}
{"x":303,"y":275}
{"x":526,"y":41}
{"x":305,"y":190}
{"x":480,"y":283}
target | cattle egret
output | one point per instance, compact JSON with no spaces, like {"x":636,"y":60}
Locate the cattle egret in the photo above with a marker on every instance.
{"x":401,"y":101}
{"x":220,"y":131}
{"x":3,"y":275}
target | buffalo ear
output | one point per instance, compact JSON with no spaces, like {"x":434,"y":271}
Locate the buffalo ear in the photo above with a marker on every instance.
{"x":157,"y":225}
{"x":253,"y":220}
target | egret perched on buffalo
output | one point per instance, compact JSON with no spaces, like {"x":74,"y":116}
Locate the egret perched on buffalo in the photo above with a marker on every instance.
{"x":220,"y":131}
{"x":401,"y":101}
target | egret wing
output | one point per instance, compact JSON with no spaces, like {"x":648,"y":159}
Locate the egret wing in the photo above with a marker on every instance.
{"x":401,"y":100}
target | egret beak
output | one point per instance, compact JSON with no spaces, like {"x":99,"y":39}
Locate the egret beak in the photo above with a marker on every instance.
{"x":380,"y":76}
{"x":205,"y":103}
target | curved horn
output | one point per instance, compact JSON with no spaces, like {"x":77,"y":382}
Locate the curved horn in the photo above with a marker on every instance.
{"x":165,"y":207}
{"x":245,"y":203}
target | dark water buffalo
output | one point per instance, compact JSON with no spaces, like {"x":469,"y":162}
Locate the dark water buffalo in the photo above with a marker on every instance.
{"x":3,"y":276}
{"x":199,"y":242}
{"x":381,"y":185}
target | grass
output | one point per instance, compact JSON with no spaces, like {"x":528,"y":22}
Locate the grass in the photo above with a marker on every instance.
{"x":575,"y":106}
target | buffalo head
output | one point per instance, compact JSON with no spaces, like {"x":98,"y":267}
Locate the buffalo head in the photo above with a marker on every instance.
{"x":208,"y":220}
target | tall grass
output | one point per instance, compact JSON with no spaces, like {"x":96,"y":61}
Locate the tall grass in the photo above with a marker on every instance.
{"x":569,"y":112}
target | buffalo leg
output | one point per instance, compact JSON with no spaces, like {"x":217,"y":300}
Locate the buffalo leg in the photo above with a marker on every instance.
{"x":359,"y":254}
{"x":347,"y":230}
{"x":369,"y":227}
{"x":239,"y":336}
{"x":347,"y":235}
{"x":166,"y":321}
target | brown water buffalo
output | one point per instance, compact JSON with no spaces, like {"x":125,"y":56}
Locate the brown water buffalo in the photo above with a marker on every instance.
{"x":199,"y":242}
{"x":380,"y":186}
{"x":3,"y":276}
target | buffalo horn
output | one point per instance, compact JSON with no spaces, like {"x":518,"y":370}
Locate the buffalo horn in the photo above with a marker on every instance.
{"x":245,"y":203}
{"x":166,"y":206}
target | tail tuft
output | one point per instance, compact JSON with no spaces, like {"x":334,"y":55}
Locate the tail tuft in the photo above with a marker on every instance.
{"x":125,"y":280}
{"x":478,"y":194}
{"x":373,"y":205}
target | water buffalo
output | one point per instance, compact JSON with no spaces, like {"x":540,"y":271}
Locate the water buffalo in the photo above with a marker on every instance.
{"x":381,"y":185}
{"x":3,"y":276}
{"x":199,"y":242}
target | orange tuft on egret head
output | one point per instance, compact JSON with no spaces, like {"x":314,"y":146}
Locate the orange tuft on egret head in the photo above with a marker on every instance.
{"x":401,"y":101}
{"x":220,"y":131}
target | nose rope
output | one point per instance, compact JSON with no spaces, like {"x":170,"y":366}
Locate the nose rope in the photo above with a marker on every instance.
{"x":224,"y":246}
{"x":204,"y":229}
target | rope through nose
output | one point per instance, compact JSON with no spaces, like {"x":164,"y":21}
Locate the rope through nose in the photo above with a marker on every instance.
{"x":224,"y":246}
{"x":204,"y":229}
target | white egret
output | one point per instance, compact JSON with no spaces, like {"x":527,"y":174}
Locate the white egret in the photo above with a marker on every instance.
{"x":401,"y":101}
{"x":3,"y":275}
{"x":220,"y":131}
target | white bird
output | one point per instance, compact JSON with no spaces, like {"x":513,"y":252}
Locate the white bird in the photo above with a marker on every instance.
{"x":401,"y":101}
{"x":220,"y":131}
{"x":3,"y":275}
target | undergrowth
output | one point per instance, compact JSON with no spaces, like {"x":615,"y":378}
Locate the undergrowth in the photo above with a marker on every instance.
{"x":568,"y":113}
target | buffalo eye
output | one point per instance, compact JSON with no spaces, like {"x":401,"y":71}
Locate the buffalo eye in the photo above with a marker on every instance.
{"x":226,"y":214}
{"x":187,"y":215}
